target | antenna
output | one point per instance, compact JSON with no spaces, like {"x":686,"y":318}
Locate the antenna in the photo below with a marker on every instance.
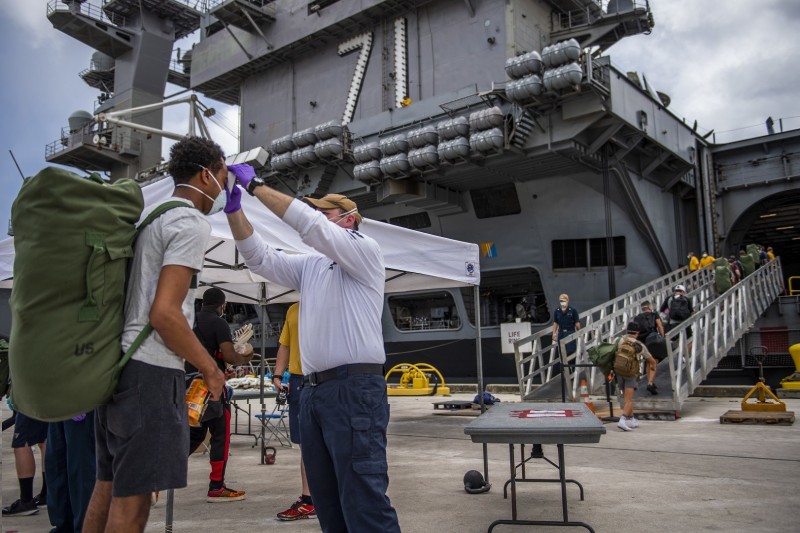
{"x":15,"y":162}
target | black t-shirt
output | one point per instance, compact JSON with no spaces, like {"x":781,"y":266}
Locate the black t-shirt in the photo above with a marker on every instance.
{"x":212,"y":331}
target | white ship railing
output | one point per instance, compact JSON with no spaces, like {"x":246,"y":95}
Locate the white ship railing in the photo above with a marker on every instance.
{"x":717,"y":323}
{"x":605,"y":319}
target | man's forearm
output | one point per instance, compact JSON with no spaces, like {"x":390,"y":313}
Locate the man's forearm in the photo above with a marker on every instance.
{"x":179,"y":338}
{"x":281,"y":359}
{"x":276,"y":201}
{"x":240,"y":226}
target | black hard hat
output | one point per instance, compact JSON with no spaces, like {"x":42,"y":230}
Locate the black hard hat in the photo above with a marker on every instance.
{"x":474,"y":483}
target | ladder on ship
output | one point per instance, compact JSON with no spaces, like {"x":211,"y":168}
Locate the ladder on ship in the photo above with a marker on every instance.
{"x":718,"y":322}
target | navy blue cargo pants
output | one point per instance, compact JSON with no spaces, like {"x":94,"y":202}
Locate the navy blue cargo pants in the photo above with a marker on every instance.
{"x":70,"y":470}
{"x":343,"y":429}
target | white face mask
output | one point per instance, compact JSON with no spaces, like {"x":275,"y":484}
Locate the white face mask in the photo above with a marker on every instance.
{"x":218,"y":203}
{"x":563,"y":304}
{"x":338,"y":218}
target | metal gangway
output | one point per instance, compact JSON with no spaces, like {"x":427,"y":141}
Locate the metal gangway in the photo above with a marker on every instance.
{"x":718,"y":322}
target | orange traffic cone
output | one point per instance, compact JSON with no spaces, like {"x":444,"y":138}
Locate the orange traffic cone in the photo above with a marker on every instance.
{"x":584,"y":390}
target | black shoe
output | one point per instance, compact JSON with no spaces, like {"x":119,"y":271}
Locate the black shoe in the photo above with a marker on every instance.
{"x":20,"y":508}
{"x":652,"y":389}
{"x":40,"y":500}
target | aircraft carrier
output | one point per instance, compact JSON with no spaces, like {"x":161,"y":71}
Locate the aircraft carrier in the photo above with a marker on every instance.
{"x":503,"y":123}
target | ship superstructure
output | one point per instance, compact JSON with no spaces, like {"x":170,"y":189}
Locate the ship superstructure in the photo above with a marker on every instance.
{"x":496,"y":122}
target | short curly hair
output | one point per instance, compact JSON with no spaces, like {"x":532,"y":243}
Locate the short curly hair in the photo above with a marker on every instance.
{"x":189,"y":154}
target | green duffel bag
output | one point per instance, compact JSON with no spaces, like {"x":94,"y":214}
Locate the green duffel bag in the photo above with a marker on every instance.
{"x":603,"y":356}
{"x":3,"y":367}
{"x":752,"y":251}
{"x":722,"y":278}
{"x":748,"y":266}
{"x":73,"y":237}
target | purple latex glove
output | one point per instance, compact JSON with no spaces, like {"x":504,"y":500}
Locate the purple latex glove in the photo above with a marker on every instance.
{"x":244,"y":173}
{"x":234,"y":199}
{"x":79,"y":418}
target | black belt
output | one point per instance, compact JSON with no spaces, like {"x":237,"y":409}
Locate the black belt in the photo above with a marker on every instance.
{"x":317,"y":378}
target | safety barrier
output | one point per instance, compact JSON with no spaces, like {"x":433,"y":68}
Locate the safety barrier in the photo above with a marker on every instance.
{"x":794,"y":288}
{"x":717,"y":323}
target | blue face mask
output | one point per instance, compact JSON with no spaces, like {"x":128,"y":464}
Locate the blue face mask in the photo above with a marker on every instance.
{"x":218,"y":203}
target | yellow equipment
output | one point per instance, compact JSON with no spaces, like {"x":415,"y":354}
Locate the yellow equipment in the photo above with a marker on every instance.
{"x":793,"y":381}
{"x":768,"y":409}
{"x":416,"y":381}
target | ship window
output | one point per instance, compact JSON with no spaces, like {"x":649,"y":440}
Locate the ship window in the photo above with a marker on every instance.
{"x":570,"y":253}
{"x":496,"y":201}
{"x":587,"y":253}
{"x":413,"y":221}
{"x":598,"y":252}
{"x":507,"y":295}
{"x":425,"y":311}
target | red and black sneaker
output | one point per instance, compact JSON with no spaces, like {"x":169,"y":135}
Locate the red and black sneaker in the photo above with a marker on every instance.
{"x":298,"y":511}
{"x":224,"y":494}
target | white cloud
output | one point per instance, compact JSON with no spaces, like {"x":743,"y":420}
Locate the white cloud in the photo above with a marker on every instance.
{"x":725,"y":63}
{"x":31,"y":18}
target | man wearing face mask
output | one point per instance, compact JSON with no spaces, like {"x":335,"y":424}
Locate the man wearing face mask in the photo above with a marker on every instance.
{"x":694,"y":262}
{"x":343,"y":404}
{"x":707,"y":260}
{"x":215,"y":334}
{"x":142,"y":434}
{"x":565,"y":322}
{"x":678,"y":308}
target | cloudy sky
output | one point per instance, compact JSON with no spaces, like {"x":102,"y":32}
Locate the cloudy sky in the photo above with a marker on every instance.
{"x":729,"y":64}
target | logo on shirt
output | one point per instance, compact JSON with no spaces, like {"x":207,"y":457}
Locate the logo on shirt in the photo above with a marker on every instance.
{"x":333,"y":264}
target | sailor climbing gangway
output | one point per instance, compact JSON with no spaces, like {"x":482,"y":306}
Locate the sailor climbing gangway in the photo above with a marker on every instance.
{"x":718,"y":323}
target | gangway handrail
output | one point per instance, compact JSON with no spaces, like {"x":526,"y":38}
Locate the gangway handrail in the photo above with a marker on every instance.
{"x":718,"y":323}
{"x":716,"y":329}
{"x":543,"y":356}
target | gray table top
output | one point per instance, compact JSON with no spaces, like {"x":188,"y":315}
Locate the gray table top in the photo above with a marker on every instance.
{"x":536,"y":423}
{"x":251,"y":394}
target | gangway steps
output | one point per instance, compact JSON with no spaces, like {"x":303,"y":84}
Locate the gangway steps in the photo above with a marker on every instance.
{"x":718,"y":323}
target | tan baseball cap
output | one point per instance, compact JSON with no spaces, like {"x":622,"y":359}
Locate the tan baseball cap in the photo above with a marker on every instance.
{"x":334,"y":201}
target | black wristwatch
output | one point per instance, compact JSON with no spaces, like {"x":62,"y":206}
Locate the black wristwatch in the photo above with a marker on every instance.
{"x":255,"y":182}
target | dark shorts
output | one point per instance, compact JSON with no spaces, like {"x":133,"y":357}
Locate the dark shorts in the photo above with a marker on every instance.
{"x":295,"y":385}
{"x":28,"y":431}
{"x":627,"y":383}
{"x":142,"y":434}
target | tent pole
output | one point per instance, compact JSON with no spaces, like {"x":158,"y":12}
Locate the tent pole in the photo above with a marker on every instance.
{"x":261,"y":366}
{"x":479,"y":352}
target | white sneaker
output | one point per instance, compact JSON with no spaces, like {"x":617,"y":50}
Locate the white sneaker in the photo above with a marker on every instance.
{"x":633,"y":423}
{"x":621,"y":424}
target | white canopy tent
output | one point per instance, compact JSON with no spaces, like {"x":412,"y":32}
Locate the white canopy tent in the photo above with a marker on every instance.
{"x":414,"y":260}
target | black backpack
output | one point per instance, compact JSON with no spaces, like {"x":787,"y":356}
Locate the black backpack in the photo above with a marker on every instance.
{"x":679,"y":308}
{"x":646,"y":322}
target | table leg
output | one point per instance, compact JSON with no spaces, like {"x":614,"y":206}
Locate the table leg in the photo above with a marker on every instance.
{"x":564,"y":522}
{"x":513,"y":483}
{"x":562,"y":476}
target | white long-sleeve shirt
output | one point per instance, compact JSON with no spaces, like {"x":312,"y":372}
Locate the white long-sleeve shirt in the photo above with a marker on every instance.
{"x":341,"y":288}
